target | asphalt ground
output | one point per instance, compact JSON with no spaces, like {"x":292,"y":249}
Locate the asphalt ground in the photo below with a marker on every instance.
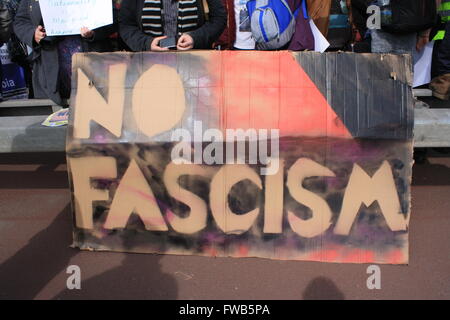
{"x":35,"y":235}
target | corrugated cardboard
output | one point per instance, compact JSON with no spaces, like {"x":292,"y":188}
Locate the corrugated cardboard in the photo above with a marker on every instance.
{"x":338,"y":191}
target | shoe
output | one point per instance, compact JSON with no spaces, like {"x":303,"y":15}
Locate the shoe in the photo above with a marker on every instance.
{"x":441,"y":87}
{"x":441,"y":96}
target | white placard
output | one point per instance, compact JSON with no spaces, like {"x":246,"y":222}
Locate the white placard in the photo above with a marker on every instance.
{"x":67,"y":17}
{"x":422,"y":65}
{"x":320,"y":42}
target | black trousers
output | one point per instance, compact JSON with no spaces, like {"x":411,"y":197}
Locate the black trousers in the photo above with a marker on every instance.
{"x":441,"y":55}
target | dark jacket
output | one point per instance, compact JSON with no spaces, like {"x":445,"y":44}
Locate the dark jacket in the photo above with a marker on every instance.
{"x":303,"y":38}
{"x":5,"y":23}
{"x":45,"y":61}
{"x":228,"y":36}
{"x":130,"y":26}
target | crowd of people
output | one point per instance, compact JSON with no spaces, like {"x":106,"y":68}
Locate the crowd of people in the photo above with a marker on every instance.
{"x":162,"y":25}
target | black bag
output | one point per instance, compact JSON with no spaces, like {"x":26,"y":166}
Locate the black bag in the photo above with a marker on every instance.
{"x":409,"y":16}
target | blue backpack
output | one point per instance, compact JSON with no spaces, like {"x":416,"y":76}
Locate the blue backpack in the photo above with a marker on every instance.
{"x":272,"y":23}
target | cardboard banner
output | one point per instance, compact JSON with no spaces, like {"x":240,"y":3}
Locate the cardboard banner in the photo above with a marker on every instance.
{"x":280,"y":155}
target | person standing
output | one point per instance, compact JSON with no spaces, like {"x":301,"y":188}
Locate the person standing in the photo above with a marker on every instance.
{"x":17,"y":50}
{"x":405,"y":26}
{"x":52,"y":56}
{"x":243,"y":39}
{"x":144,"y":23}
{"x":5,"y":33}
{"x":5,"y":23}
{"x":440,"y":68}
{"x":319,"y":11}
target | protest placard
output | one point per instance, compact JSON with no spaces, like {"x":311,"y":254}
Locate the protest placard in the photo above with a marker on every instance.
{"x":67,"y":17}
{"x":280,"y":155}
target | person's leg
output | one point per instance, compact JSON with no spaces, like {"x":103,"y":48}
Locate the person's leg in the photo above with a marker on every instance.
{"x":319,"y":10}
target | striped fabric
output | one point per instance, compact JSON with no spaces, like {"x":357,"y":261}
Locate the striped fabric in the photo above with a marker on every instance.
{"x":156,"y":22}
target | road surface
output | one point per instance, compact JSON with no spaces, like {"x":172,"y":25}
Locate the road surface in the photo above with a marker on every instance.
{"x":35,"y":235}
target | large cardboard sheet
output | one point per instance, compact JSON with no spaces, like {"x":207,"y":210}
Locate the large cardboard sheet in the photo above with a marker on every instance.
{"x":280,"y":155}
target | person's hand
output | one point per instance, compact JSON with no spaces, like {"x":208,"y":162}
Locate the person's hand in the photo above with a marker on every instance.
{"x":422,"y":41}
{"x":185,"y":42}
{"x":86,"y":32}
{"x":39,"y":34}
{"x":423,"y":38}
{"x":155,"y":44}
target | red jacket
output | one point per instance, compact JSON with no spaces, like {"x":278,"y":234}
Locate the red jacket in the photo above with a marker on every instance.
{"x":228,"y":37}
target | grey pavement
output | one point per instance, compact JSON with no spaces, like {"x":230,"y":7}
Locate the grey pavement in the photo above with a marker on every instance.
{"x":35,"y":235}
